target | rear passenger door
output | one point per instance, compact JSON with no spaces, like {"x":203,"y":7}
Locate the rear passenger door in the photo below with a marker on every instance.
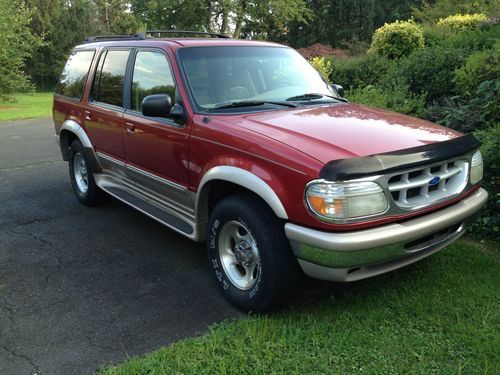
{"x":156,"y":148}
{"x":104,"y":116}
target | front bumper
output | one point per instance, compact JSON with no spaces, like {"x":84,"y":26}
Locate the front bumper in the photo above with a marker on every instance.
{"x":360,"y":254}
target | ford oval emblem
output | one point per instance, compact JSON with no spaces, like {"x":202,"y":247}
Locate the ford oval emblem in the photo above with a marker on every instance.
{"x":434,"y":181}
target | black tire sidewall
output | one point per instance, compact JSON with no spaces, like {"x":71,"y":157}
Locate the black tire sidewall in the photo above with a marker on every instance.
{"x":274,"y":253}
{"x":88,"y":197}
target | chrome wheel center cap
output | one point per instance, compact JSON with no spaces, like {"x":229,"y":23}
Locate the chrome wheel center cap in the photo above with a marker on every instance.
{"x":243,"y":253}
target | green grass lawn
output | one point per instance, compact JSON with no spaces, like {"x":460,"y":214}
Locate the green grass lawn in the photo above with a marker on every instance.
{"x":440,"y":316}
{"x":26,"y":106}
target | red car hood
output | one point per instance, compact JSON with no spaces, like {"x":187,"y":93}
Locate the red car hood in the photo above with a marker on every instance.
{"x":341,"y":131}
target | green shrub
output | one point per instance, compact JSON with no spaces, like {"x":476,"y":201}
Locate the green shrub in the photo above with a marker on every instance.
{"x":398,"y":99}
{"x":488,"y":225}
{"x":472,"y":40}
{"x":479,"y":67}
{"x":322,"y":65}
{"x":397,"y":39}
{"x":459,"y":22}
{"x":359,"y":71}
{"x":429,"y":71}
{"x":479,"y":112}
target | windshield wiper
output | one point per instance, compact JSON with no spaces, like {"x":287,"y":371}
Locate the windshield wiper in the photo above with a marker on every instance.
{"x":251,"y":103}
{"x":313,"y":96}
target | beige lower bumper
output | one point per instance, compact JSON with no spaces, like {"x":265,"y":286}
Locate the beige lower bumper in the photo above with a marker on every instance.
{"x":359,"y":254}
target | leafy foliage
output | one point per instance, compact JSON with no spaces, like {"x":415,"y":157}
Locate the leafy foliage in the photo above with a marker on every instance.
{"x":398,"y":99}
{"x":489,"y":224}
{"x":460,"y":22}
{"x":428,"y":71}
{"x":17,"y":43}
{"x":480,"y":112}
{"x":359,"y":71}
{"x":430,"y":11}
{"x":479,"y":67}
{"x":323,"y":66}
{"x":397,"y":39}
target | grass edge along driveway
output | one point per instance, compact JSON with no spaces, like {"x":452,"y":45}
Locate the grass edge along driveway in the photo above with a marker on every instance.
{"x":26,"y":106}
{"x":440,"y":315}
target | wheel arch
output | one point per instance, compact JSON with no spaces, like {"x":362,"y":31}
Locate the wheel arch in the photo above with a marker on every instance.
{"x":242,"y":181}
{"x":71,"y":130}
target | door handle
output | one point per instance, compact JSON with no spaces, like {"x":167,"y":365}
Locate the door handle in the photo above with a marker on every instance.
{"x":88,"y":115}
{"x":130,"y":128}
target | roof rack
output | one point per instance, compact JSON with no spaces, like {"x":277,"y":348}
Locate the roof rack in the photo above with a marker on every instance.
{"x":159,"y":32}
{"x":152,"y":33}
{"x":136,"y":36}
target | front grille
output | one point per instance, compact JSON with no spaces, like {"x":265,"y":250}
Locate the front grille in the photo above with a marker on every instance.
{"x":427,"y":185}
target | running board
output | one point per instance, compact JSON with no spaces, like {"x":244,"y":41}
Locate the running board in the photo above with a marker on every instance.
{"x":147,"y":206}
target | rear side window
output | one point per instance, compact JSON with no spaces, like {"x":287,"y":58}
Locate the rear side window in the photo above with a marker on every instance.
{"x":73,"y":77}
{"x":152,"y":75}
{"x":108,"y":83}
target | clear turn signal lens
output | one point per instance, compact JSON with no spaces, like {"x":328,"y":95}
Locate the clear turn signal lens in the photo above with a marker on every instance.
{"x":347,"y":200}
{"x":476,"y":170}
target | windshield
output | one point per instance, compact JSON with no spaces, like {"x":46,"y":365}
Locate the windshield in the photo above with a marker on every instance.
{"x":222,"y":75}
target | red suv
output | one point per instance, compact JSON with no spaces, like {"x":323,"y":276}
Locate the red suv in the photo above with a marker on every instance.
{"x":242,"y":144}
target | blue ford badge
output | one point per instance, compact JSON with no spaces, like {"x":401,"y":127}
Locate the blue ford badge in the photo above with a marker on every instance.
{"x":434,"y":181}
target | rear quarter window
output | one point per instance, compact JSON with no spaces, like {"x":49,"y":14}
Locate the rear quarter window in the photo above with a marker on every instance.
{"x":74,"y":75}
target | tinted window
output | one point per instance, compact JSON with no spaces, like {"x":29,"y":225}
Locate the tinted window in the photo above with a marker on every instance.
{"x":108,"y":84}
{"x":152,"y":75}
{"x":74,"y":75}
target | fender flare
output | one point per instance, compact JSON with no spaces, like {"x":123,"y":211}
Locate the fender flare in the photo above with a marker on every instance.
{"x":71,"y":126}
{"x":243,"y":178}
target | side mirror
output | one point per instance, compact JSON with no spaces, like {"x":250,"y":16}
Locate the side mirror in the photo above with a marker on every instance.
{"x":339,"y":89}
{"x":157,"y":105}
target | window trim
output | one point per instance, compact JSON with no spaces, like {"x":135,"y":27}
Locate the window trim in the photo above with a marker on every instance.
{"x":97,"y":73}
{"x":129,"y":77}
{"x":76,"y":50}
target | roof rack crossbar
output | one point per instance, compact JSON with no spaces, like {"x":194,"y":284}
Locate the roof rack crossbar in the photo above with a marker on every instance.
{"x":101,"y":38}
{"x":159,"y":32}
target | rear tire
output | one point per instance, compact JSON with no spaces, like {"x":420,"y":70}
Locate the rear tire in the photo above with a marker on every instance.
{"x":250,"y":255}
{"x":82,"y":176}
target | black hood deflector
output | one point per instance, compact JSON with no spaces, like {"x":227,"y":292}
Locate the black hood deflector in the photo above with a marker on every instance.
{"x":365,"y":166}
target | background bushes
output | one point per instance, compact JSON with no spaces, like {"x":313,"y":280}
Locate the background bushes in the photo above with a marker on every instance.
{"x":453,"y":79}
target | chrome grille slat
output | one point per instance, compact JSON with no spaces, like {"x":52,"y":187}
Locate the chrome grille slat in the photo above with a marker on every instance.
{"x":412,"y":189}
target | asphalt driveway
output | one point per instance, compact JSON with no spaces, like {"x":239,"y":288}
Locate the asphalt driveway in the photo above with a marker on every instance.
{"x":81,"y":287}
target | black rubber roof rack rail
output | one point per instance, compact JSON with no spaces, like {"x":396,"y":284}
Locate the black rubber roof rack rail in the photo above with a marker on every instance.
{"x":103,"y":38}
{"x":158,"y":33}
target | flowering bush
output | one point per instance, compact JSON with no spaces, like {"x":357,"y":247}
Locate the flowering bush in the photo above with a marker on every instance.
{"x":397,"y":39}
{"x":460,"y":22}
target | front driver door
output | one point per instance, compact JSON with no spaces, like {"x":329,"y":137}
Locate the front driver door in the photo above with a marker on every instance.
{"x":156,"y":148}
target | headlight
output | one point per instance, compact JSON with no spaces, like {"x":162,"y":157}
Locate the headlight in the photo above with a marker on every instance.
{"x":476,"y":170}
{"x":334,"y":201}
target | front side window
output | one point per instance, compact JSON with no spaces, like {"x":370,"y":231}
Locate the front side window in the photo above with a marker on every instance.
{"x":108,"y":83}
{"x":152,"y":75}
{"x":218,"y":75}
{"x":73,"y":77}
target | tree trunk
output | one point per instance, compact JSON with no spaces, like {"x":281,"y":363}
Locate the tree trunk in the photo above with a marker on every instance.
{"x":239,"y":19}
{"x":208,"y":21}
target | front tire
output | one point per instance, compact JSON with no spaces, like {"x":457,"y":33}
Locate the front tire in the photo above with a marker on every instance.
{"x":250,"y":255}
{"x":82,"y":176}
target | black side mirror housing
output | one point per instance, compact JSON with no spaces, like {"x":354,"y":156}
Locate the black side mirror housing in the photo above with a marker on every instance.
{"x":178,"y":114}
{"x":157,"y":105}
{"x":339,"y":89}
